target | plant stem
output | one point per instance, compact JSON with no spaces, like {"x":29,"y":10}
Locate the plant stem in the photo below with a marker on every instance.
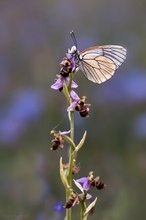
{"x":71,"y":158}
{"x":71,"y":155}
{"x":83,"y":208}
{"x":66,"y":91}
{"x":68,"y":214}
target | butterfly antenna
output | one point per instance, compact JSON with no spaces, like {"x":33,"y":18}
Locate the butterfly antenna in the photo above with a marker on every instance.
{"x":73,"y":38}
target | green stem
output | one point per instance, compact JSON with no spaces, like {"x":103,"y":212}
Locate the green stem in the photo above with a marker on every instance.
{"x":83,"y":209}
{"x":71,"y":155}
{"x":70,"y":82}
{"x":68,"y":213}
{"x":71,"y":158}
{"x":66,"y":91}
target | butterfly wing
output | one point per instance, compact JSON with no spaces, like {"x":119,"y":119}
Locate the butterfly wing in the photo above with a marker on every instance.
{"x":100,"y":62}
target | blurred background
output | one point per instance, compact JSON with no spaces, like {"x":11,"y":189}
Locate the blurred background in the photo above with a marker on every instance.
{"x":34,"y":37}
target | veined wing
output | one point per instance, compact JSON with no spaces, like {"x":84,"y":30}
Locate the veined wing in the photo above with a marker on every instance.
{"x":100,"y":62}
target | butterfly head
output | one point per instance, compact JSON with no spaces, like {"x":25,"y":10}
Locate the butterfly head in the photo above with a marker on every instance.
{"x":75,"y":54}
{"x":73,"y":50}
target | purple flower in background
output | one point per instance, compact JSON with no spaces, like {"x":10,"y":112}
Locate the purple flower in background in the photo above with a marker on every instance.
{"x":58,"y":85}
{"x":58,"y":207}
{"x":85,"y":182}
{"x":26,"y":105}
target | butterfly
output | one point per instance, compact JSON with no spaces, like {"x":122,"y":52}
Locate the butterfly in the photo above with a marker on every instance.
{"x":98,"y":63}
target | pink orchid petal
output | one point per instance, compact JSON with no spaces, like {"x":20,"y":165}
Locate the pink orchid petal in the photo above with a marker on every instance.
{"x":58,"y":84}
{"x":72,"y":106}
{"x":74,"y":96}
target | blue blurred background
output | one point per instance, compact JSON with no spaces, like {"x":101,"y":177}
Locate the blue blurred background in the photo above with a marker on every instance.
{"x":34,"y":37}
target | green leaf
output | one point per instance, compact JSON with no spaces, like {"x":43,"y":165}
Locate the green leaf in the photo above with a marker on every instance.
{"x":78,"y":185}
{"x":91,"y":206}
{"x":66,"y":93}
{"x":69,"y":140}
{"x":79,"y":146}
{"x":63,"y":176}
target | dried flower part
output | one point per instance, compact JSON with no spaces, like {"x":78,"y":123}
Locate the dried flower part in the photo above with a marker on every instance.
{"x":75,"y":168}
{"x":65,"y":166}
{"x":73,"y":200}
{"x":67,"y":65}
{"x":76,"y":198}
{"x":57,"y":141}
{"x":69,"y":204}
{"x":90,"y":175}
{"x":97,"y":183}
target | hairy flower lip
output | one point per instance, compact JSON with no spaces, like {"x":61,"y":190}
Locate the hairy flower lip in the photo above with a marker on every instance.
{"x":71,"y":59}
{"x":58,"y":141}
{"x":79,"y":104}
{"x":68,"y":65}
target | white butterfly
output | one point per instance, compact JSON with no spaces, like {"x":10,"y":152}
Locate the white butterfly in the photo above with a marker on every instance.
{"x":98,"y":63}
